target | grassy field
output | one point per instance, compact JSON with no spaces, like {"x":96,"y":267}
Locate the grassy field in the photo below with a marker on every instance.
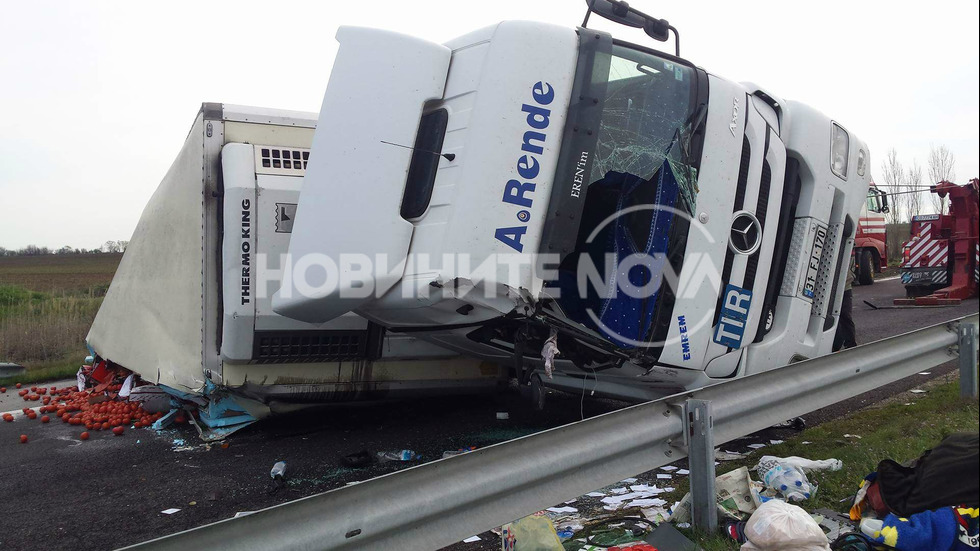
{"x":47,"y":304}
{"x":900,"y":429}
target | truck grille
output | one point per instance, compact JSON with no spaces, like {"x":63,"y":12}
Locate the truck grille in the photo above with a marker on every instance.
{"x":316,"y":346}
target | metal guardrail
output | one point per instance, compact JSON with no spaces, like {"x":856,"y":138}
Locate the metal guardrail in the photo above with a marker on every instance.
{"x":442,"y":502}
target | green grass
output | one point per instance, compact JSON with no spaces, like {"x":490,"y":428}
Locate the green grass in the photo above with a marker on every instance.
{"x":889,"y":430}
{"x":64,"y":368}
{"x":47,"y":304}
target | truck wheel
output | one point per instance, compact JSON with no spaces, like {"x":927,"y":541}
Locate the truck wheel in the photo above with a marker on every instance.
{"x":866,"y":268}
{"x":538,"y":393}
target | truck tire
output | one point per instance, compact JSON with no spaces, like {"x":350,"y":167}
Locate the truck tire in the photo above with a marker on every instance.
{"x":866,"y":268}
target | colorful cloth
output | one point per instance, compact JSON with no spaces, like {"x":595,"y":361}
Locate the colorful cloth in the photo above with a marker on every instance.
{"x":946,"y":529}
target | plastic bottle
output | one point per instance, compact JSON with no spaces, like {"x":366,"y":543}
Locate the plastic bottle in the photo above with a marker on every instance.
{"x":404,"y":455}
{"x":788,"y":481}
{"x":278,"y":471}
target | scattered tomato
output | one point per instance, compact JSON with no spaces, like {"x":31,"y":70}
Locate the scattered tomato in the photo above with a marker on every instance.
{"x":17,"y":385}
{"x":83,"y":436}
{"x":23,"y":439}
{"x":118,"y":431}
{"x":45,"y":419}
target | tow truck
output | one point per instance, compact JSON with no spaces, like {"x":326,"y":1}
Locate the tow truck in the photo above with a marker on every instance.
{"x":527,"y":200}
{"x":941,"y":260}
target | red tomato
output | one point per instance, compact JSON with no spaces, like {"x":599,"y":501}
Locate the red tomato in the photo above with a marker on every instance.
{"x":105,"y":426}
{"x":118,"y":431}
{"x":3,"y":389}
{"x":83,"y":436}
{"x":23,"y":439}
{"x":17,"y":385}
{"x":45,"y":418}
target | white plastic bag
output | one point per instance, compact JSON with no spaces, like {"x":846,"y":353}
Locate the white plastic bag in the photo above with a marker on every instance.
{"x":779,"y":526}
{"x":802,"y":463}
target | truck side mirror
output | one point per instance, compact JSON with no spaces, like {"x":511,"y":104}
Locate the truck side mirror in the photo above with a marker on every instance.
{"x":657,"y":29}
{"x":884,"y":201}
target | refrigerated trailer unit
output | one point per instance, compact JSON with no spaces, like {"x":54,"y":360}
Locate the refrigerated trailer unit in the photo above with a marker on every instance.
{"x":190,"y":302}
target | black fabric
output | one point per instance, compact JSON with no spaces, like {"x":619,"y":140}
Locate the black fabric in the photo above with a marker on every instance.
{"x":944,"y":476}
{"x":846,"y":336}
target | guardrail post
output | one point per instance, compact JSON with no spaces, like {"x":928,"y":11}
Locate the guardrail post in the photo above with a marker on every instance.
{"x":968,"y":360}
{"x":701,"y":457}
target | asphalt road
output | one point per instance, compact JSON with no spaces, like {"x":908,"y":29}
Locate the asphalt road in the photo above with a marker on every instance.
{"x":57,"y":492}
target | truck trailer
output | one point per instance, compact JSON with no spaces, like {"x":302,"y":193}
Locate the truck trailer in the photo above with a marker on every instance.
{"x":528,"y":200}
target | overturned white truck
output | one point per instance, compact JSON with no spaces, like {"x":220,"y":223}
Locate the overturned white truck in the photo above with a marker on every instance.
{"x":526,"y":200}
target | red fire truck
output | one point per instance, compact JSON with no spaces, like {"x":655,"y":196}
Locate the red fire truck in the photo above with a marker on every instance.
{"x":940,"y":261}
{"x":870,"y":255}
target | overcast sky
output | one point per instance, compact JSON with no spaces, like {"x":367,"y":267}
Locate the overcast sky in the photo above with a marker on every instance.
{"x":97,"y":97}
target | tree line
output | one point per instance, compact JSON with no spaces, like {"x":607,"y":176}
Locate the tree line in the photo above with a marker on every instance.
{"x":34,"y":250}
{"x":908,"y":192}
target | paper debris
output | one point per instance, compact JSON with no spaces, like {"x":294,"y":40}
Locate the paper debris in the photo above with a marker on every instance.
{"x":471,"y":539}
{"x":169,"y":511}
{"x":852,"y":436}
{"x":628,"y":480}
{"x":653,"y":490}
{"x":570,"y":501}
{"x":661,"y":476}
{"x":683,"y":472}
{"x":653,"y":502}
{"x":756,"y":446}
{"x":618,"y":491}
{"x":806,"y":442}
{"x":240,"y":514}
{"x":774,"y":442}
{"x":596,"y":494}
{"x":917,"y":391}
{"x":562,"y":509}
{"x":668,"y":468}
{"x":926,"y":373}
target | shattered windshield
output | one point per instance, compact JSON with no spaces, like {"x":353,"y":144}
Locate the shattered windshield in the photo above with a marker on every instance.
{"x":638,"y":182}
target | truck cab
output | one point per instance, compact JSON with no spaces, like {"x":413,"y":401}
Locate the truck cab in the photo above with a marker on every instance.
{"x":870,"y":249}
{"x":573,"y":206}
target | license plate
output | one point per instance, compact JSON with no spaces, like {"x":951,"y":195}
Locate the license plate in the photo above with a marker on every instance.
{"x":813,"y":265}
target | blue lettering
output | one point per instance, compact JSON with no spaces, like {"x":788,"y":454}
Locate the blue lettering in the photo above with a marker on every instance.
{"x":514,"y":193}
{"x":537,"y":117}
{"x":543,"y":93}
{"x":511,"y":237}
{"x":527,"y":167}
{"x":531,"y":148}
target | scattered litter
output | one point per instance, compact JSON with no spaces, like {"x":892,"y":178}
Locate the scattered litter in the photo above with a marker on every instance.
{"x":618,"y":491}
{"x":756,"y":446}
{"x":193,"y":503}
{"x":917,"y":391}
{"x":548,"y":352}
{"x":926,"y":373}
{"x":727,"y":455}
{"x":852,"y":436}
{"x":649,"y":502}
{"x":667,"y":537}
{"x":683,"y":472}
{"x":776,"y":525}
{"x":471,"y":539}
{"x":766,"y":462}
{"x":460,"y":451}
{"x":668,"y":468}
{"x":169,"y":511}
{"x":503,"y":416}
{"x":787,"y":480}
{"x":596,"y":494}
{"x":735,"y":492}
{"x":570,"y":501}
{"x":240,"y":514}
{"x":404,"y":455}
{"x":278,"y":472}
{"x":661,"y":476}
{"x":628,"y":480}
{"x":530,"y":533}
{"x":562,"y":509}
{"x":805,"y":442}
{"x":775,"y":442}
